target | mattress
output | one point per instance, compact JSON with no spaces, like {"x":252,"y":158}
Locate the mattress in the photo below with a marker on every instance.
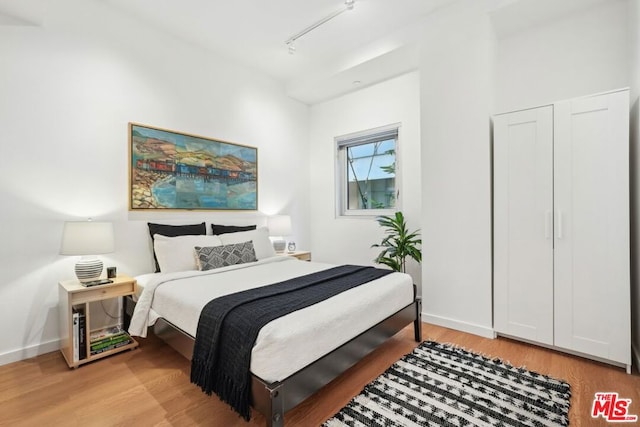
{"x":291,"y":342}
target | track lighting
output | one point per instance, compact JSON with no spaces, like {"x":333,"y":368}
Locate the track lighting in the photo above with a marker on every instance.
{"x":348,"y":5}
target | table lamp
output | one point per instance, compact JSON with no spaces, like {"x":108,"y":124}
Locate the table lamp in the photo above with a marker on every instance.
{"x":279,"y":226}
{"x":87,"y":239}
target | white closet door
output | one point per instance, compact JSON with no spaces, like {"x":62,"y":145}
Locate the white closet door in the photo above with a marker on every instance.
{"x":523,"y":224}
{"x":591,"y":193}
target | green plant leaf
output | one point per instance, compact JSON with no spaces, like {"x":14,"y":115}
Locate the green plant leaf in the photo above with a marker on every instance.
{"x":398,"y":243}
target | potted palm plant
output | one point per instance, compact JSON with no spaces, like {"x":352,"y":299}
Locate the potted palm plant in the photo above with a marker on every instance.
{"x":398,"y":243}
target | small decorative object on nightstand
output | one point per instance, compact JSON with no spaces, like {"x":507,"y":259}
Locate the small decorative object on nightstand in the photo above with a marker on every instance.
{"x":291,"y":247}
{"x":81,"y":344}
{"x":111,"y":272}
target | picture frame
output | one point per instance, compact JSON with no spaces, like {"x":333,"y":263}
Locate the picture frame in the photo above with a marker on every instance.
{"x":181,"y":171}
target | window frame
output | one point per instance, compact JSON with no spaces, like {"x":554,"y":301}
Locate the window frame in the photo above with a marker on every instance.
{"x":341,"y":143}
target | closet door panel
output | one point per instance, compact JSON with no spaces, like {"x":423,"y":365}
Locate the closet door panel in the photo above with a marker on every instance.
{"x":591,"y":199}
{"x":523,"y":226}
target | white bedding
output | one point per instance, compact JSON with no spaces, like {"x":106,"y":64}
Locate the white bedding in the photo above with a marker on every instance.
{"x":289,"y":343}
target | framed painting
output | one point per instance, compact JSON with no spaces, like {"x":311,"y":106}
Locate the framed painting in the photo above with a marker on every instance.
{"x":175,"y":170}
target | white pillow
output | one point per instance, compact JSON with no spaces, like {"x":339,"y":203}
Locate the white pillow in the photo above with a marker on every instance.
{"x":260,"y":238}
{"x":177,"y":253}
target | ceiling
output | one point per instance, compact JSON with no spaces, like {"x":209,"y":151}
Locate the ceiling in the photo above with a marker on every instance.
{"x":253,"y":32}
{"x":373,"y":42}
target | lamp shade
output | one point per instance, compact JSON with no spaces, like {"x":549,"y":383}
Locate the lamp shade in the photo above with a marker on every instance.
{"x":279,"y":225}
{"x":87,"y":238}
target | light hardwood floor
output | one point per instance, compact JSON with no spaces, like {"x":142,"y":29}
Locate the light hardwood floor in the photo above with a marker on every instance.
{"x":150,"y":386}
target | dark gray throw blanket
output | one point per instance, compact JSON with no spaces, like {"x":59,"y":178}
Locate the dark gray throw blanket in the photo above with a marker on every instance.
{"x":229,"y":326}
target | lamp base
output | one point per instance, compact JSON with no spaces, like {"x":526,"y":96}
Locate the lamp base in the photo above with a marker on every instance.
{"x":279,"y":245}
{"x":88,"y":269}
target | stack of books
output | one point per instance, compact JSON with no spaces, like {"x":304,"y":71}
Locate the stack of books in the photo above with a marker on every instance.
{"x":79,"y":334}
{"x":108,"y":339}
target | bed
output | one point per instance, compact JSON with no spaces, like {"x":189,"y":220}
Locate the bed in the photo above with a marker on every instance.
{"x":294,"y":355}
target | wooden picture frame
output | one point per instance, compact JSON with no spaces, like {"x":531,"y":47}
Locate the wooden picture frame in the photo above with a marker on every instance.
{"x":176,"y":170}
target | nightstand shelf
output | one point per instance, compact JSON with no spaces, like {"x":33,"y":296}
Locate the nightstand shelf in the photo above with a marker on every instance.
{"x":301,"y":255}
{"x":72,"y":295}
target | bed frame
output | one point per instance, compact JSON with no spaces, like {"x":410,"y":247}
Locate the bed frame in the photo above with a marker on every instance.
{"x":274,"y":399}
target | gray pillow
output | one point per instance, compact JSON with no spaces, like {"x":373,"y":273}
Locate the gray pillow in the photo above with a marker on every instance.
{"x":211,"y":257}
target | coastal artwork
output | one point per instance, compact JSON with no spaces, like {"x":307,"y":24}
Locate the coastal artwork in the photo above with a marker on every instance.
{"x":172,"y":170}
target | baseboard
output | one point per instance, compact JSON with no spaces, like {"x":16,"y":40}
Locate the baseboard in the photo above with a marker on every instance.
{"x":567,"y":351}
{"x":29,"y":352}
{"x":459,"y":325}
{"x":635,"y":357}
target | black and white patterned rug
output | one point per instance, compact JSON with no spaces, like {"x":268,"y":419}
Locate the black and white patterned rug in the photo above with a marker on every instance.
{"x":441,"y":385}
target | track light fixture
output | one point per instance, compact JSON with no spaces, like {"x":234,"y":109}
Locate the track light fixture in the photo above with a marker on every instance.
{"x":348,"y":5}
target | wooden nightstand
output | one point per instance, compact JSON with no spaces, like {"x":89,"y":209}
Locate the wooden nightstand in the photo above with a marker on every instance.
{"x":73,"y":297}
{"x":301,"y":255}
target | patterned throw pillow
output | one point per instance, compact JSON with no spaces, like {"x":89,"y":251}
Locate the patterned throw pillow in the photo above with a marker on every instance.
{"x":212,"y":257}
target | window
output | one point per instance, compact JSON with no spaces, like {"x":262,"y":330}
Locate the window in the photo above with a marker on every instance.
{"x":366,"y":172}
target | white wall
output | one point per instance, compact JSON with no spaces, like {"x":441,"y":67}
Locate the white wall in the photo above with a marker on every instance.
{"x":68,"y":89}
{"x":467,"y":74}
{"x":348,"y":240}
{"x":634,"y":50}
{"x":456,"y":98}
{"x":579,"y":54}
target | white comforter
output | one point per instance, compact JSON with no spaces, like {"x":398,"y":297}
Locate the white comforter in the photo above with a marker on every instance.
{"x":289,"y":343}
